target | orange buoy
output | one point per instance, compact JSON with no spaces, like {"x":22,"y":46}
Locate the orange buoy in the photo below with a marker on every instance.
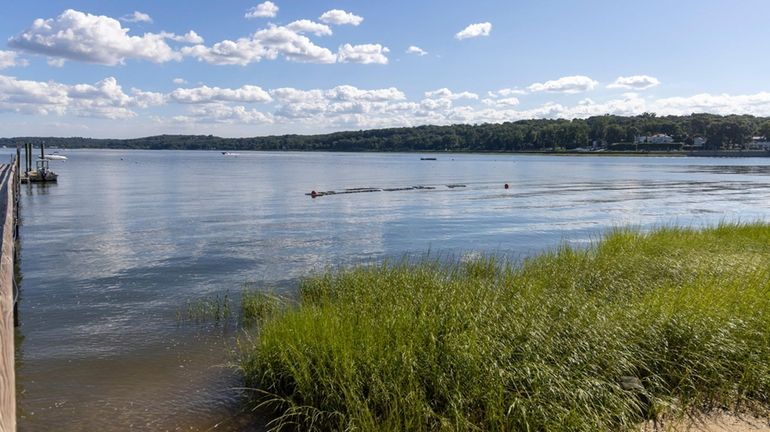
{"x":506,"y":186}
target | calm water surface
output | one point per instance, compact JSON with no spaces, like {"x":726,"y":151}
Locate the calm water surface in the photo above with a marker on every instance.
{"x":126,"y":238}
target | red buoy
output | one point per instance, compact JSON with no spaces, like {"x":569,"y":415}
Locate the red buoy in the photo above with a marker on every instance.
{"x":313,"y":194}
{"x":506,"y":186}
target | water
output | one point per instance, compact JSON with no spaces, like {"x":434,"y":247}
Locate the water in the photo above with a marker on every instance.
{"x":126,"y":238}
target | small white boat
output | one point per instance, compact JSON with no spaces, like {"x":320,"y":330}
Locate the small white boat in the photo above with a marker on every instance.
{"x":55,"y":157}
{"x":231,"y":154}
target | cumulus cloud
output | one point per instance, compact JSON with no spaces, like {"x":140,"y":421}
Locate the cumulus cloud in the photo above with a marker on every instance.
{"x":206,"y":94}
{"x":340,"y":17}
{"x":56,"y":62}
{"x":144,"y":99}
{"x":474,"y":30}
{"x":137,"y":17}
{"x":756,"y":104}
{"x":416,"y":50}
{"x":179,"y":81}
{"x":365,"y":54}
{"x":506,"y":93}
{"x":351,"y":93}
{"x":10,"y":59}
{"x":568,"y":84}
{"x":636,"y":82}
{"x":344,"y":99}
{"x":105,"y":99}
{"x":75,"y":35}
{"x":307,"y":26}
{"x":503,"y":102}
{"x":267,"y":9}
{"x":269,"y":43}
{"x":190,"y":37}
{"x":221,"y":113}
{"x":340,"y":107}
{"x":445,"y":93}
{"x":345,"y":107}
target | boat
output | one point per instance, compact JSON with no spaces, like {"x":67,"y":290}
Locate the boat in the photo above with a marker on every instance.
{"x":231,"y":154}
{"x":42,"y":173}
{"x":55,"y":157}
{"x":427,"y":158}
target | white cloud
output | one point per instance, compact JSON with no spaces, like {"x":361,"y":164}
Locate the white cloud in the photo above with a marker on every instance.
{"x":756,"y":104}
{"x":340,"y":17}
{"x":351,"y":93}
{"x":365,"y":54}
{"x":503,"y":102}
{"x":269,"y":43}
{"x":347,"y":107}
{"x":474,"y":30}
{"x":105,"y":99}
{"x":56,"y":62}
{"x":221,"y":113}
{"x":190,"y":37}
{"x":205,"y":94}
{"x":10,"y":59}
{"x":636,"y":82}
{"x":436,"y":104}
{"x":344,"y":99}
{"x":32,"y":96}
{"x":568,"y":84}
{"x":75,"y":35}
{"x":445,"y":93}
{"x":307,"y":26}
{"x":144,"y":99}
{"x":179,"y":81}
{"x":506,"y":93}
{"x":416,"y":50}
{"x":267,"y":9}
{"x":293,"y":95}
{"x":137,"y":17}
{"x":338,"y":108}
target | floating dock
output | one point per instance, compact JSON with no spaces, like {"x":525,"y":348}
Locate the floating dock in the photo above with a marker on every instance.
{"x":42,"y":173}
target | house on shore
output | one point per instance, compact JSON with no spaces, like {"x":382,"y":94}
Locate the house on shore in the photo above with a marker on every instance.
{"x":698,"y":142}
{"x":759,"y":143}
{"x":653,"y":139}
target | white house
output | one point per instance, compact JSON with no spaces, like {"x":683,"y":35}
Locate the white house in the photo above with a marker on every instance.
{"x":698,"y":142}
{"x":759,"y":142}
{"x":654,"y":139}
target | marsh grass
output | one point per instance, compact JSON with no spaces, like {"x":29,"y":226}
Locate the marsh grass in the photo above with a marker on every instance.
{"x":213,"y":309}
{"x":257,"y":306}
{"x":547,"y":344}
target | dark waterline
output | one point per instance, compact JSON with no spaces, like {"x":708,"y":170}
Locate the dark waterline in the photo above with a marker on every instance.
{"x":126,"y":238}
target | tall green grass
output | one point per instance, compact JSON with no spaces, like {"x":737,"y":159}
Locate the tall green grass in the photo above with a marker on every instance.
{"x":636,"y":326}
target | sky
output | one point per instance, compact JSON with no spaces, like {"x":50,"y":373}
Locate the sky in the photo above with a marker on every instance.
{"x":248,"y":68}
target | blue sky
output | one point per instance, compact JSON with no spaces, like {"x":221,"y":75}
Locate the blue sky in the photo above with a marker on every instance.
{"x":247,"y":68}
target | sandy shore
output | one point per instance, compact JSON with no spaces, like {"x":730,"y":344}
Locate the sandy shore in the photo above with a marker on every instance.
{"x":721,"y":422}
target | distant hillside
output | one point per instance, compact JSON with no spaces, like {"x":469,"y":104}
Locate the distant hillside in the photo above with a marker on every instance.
{"x":613,"y":132}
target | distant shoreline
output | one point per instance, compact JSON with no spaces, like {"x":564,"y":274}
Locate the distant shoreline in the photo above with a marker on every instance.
{"x":645,"y":134}
{"x":609,"y":153}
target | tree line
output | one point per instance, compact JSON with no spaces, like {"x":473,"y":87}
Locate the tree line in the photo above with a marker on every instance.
{"x":607,"y":131}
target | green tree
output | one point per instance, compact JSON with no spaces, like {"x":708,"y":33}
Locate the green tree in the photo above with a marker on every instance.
{"x":764,"y":129}
{"x":614,"y":134}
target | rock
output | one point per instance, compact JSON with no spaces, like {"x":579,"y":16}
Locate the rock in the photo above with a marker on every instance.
{"x":631,"y":383}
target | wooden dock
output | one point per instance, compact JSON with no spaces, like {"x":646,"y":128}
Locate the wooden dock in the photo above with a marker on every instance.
{"x":9,"y":194}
